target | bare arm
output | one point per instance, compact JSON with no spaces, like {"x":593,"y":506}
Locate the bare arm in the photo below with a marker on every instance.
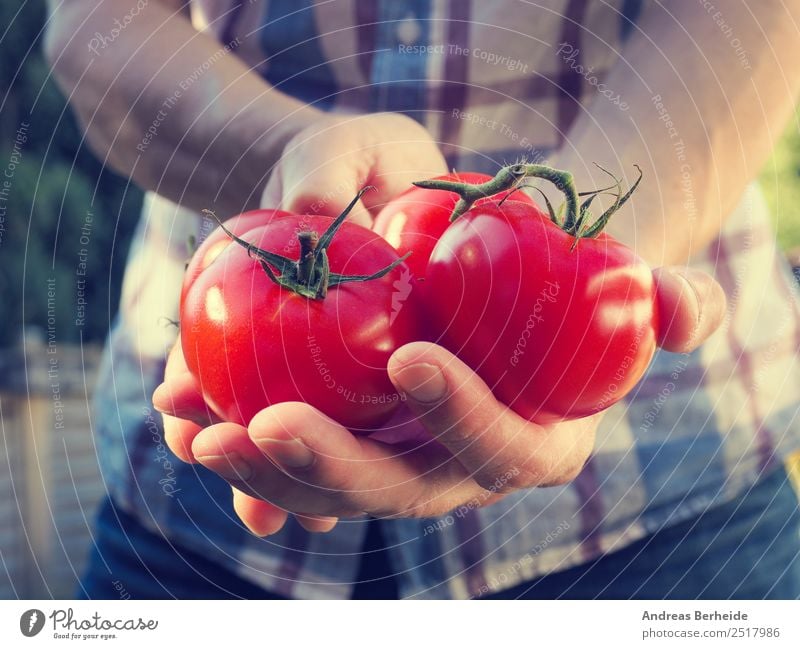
{"x":700,"y":123}
{"x":167,"y":105}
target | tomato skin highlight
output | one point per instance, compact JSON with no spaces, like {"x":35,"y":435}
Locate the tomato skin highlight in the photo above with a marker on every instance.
{"x":414,"y":220}
{"x":252,"y":343}
{"x":218,"y":240}
{"x":557,"y":333}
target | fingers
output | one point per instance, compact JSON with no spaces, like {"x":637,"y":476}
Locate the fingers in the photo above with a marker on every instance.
{"x":323,"y":167}
{"x":306,"y":183}
{"x":260,"y":517}
{"x":501,"y":450}
{"x":319,"y":524}
{"x":282,"y":478}
{"x":264,"y":519}
{"x":180,"y":396}
{"x":226,"y":449}
{"x":301,"y":461}
{"x":179,"y":435}
{"x":344,"y":475}
{"x":691,"y":307}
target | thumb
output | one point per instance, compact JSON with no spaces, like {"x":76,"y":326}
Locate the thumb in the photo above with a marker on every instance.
{"x":326,"y":191}
{"x":691,"y":306}
{"x":397,"y":167}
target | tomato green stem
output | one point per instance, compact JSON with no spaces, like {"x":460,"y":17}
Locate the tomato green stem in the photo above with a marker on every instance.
{"x":306,"y":265}
{"x":509,"y":178}
{"x":310,"y":275}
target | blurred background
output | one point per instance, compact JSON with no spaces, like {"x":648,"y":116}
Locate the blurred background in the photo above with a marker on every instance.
{"x":65,"y":220}
{"x":61,"y":214}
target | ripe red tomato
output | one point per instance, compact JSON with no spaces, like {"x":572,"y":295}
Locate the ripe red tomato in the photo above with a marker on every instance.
{"x":414,"y":220}
{"x":218,"y":240}
{"x":559,"y":330}
{"x":252,"y":342}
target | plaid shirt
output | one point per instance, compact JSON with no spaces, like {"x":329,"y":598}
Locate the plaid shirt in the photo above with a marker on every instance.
{"x":697,"y":430}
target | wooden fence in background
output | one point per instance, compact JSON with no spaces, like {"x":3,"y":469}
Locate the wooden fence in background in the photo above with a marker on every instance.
{"x":50,"y":482}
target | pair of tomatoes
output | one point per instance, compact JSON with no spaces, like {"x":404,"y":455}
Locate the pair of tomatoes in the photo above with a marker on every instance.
{"x":284,"y":307}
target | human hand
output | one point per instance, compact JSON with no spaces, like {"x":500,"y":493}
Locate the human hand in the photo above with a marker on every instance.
{"x":325,"y":165}
{"x":294,"y":459}
{"x":473,"y":449}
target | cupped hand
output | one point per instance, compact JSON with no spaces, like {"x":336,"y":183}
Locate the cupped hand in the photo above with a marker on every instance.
{"x":470,"y":449}
{"x":325,"y":165}
{"x":294,"y":459}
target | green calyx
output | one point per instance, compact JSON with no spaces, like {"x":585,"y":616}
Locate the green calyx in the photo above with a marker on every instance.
{"x":310,"y":275}
{"x":573,"y":217}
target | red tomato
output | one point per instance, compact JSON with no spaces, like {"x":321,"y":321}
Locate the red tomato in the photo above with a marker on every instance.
{"x":558,"y":333}
{"x":252,"y":343}
{"x":414,"y":221}
{"x":218,"y":240}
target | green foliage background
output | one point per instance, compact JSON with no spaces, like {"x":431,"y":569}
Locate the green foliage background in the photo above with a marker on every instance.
{"x":59,"y":181}
{"x":780,"y":179}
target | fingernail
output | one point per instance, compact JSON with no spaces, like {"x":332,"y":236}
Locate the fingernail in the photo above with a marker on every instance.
{"x":422,"y":382}
{"x":231,"y":466}
{"x":290,"y":453}
{"x":686,"y":275}
{"x":159,"y":394}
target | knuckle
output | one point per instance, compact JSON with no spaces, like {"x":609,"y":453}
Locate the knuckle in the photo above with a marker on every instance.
{"x":567,"y":475}
{"x":332,"y":480}
{"x":342,"y":500}
{"x":390,"y":509}
{"x":575,"y":469}
{"x":506,"y":478}
{"x":568,"y":470}
{"x":522,"y":472}
{"x":427,"y":506}
{"x":421,"y":504}
{"x":335,"y":508}
{"x":458,"y":436}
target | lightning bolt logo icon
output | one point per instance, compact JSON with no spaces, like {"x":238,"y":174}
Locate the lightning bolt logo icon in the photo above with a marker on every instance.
{"x":31,"y":622}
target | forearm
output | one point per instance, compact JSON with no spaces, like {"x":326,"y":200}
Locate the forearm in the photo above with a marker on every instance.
{"x":169,"y":106}
{"x":724,"y":118}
